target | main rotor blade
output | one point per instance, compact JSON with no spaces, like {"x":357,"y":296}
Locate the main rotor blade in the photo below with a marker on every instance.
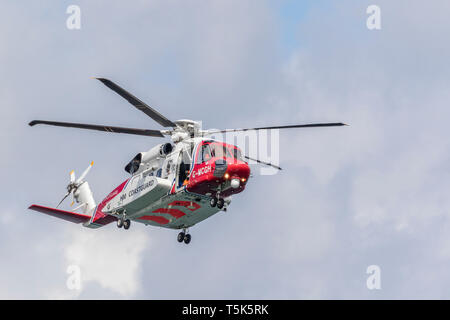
{"x":263,"y":162}
{"x":311,"y":125}
{"x":142,"y":106}
{"x":142,"y":132}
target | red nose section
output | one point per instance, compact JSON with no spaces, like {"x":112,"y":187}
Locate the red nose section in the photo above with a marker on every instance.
{"x":238,"y":170}
{"x":221,"y":174}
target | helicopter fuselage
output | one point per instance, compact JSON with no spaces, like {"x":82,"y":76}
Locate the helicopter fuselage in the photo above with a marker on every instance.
{"x":177,"y":193}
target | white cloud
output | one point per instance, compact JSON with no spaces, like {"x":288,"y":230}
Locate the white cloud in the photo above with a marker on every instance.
{"x":110,"y":258}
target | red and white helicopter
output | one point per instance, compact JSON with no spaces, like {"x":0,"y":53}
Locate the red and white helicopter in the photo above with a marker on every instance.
{"x":172,"y":185}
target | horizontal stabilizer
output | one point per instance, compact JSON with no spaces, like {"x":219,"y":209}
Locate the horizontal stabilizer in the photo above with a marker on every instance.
{"x":66,"y":215}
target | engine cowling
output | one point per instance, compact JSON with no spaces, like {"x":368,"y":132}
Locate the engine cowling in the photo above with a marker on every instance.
{"x":151,"y":156}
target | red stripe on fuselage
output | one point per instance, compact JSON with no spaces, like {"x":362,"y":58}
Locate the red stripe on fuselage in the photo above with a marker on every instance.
{"x":173,"y":212}
{"x":157,"y":219}
{"x":98,"y":213}
{"x":172,"y":191}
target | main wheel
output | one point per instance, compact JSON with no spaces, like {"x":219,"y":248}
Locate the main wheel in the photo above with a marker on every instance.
{"x":213,"y":202}
{"x":187,"y":238}
{"x":180,"y":237}
{"x":119,"y":223}
{"x":220,"y":203}
{"x":126,"y":224}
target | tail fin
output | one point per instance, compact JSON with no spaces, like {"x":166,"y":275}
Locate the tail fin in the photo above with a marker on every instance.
{"x":90,"y":215}
{"x":83,"y":196}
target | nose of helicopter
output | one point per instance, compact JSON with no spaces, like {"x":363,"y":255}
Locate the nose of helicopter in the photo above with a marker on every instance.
{"x":237,"y":173}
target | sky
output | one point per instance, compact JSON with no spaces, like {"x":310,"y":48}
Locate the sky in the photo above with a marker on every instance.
{"x":373,"y":193}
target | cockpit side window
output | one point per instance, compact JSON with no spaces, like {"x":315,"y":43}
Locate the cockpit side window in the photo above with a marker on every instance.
{"x":204,"y":154}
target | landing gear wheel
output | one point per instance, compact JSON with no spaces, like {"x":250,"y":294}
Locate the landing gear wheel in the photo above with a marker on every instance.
{"x":119,"y":223}
{"x":126,"y":224}
{"x":213,"y":202}
{"x":187,"y":238}
{"x":180,"y":237}
{"x":220,"y":203}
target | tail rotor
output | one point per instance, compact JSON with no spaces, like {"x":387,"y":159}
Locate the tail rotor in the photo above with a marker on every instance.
{"x":74,"y":185}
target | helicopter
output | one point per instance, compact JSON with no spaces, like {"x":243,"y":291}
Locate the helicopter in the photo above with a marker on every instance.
{"x":173,"y":185}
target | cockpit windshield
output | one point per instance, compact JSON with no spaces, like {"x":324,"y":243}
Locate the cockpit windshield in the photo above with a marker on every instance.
{"x":237,"y":154}
{"x":219,"y":150}
{"x":216,"y":150}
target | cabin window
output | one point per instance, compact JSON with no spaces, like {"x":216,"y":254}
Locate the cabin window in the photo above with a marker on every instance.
{"x":183,"y":168}
{"x":167,"y":169}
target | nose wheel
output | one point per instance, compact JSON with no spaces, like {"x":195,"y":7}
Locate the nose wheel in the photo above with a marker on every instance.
{"x":220,"y":203}
{"x":215,"y":201}
{"x":183,"y":236}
